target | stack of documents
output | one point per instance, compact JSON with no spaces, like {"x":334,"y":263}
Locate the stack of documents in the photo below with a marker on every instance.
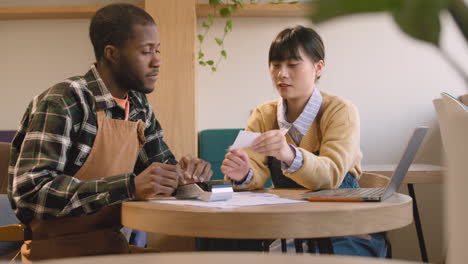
{"x":239,"y":199}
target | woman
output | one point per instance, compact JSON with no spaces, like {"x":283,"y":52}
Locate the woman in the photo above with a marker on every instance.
{"x":309,"y":138}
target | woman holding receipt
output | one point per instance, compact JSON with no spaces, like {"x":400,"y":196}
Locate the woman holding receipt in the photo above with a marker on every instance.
{"x":309,"y":138}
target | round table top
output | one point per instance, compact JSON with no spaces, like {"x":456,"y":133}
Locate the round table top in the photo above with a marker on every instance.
{"x":226,"y":258}
{"x":298,"y":220}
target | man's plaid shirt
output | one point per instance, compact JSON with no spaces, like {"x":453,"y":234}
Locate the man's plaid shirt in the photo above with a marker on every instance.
{"x":55,"y":138}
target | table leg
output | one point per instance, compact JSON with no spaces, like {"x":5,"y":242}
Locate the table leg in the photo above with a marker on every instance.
{"x":266,"y":244}
{"x":311,"y":246}
{"x":284,"y":246}
{"x":417,"y":222}
{"x":298,"y":245}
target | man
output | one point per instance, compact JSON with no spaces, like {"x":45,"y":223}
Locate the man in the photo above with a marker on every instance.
{"x":91,"y":142}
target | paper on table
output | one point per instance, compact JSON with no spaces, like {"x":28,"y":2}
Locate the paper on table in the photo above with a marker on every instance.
{"x":244,"y":139}
{"x":239,"y":199}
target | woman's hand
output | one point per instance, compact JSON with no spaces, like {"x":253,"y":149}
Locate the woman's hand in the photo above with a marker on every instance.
{"x":236,"y":165}
{"x":273,"y":143}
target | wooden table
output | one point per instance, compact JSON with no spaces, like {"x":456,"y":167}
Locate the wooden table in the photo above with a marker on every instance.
{"x":299,"y":220}
{"x":417,"y":174}
{"x":225,"y":258}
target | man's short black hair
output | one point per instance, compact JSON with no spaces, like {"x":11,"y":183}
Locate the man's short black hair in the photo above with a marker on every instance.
{"x":286,"y":45}
{"x":112,"y":25}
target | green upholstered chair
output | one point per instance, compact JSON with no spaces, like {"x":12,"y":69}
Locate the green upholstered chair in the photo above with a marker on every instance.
{"x":213,"y":145}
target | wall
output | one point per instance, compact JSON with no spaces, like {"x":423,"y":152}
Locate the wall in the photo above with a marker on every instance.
{"x":392,"y":79}
{"x":35,"y":55}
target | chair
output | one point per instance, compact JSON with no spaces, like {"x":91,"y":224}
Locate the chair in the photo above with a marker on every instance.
{"x":213,"y":145}
{"x":7,"y":135}
{"x":453,"y":121}
{"x":10,"y":228}
{"x":4,"y":159}
{"x":373,"y":180}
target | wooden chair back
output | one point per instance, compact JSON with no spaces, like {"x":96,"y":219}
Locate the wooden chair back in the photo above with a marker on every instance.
{"x":373,"y":180}
{"x":4,"y":160}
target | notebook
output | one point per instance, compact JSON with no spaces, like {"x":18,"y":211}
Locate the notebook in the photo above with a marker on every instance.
{"x":375,"y":194}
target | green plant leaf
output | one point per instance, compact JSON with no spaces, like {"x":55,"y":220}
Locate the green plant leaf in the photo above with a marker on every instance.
{"x":210,"y":62}
{"x":420,"y":19}
{"x":219,"y":41}
{"x":226,"y":11}
{"x":417,"y":18}
{"x":205,"y":24}
{"x":323,"y":10}
{"x":201,"y":55}
{"x":202,"y":63}
{"x":200,"y":38}
{"x":459,"y":11}
{"x":224,"y":54}
{"x":213,"y":69}
{"x":215,"y":2}
{"x":229,"y":24}
{"x":210,"y":19}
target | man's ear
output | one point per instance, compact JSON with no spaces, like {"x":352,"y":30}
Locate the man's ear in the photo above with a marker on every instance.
{"x":112,"y":54}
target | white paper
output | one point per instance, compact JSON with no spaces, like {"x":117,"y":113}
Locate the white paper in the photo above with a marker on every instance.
{"x":239,"y":199}
{"x":244,"y":139}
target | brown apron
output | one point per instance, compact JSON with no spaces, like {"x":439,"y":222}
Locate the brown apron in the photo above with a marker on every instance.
{"x":115,"y":151}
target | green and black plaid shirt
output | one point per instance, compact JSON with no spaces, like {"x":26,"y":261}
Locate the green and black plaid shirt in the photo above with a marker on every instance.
{"x":55,"y":138}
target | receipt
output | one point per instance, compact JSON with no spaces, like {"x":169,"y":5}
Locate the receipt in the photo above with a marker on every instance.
{"x":244,"y":139}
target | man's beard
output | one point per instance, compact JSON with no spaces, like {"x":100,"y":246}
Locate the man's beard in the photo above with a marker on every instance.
{"x":128,"y":80}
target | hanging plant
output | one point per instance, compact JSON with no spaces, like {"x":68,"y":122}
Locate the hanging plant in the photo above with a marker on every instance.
{"x":224,"y":12}
{"x":229,"y":7}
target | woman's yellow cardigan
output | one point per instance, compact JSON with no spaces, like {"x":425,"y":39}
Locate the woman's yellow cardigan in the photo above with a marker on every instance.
{"x":335,"y":133}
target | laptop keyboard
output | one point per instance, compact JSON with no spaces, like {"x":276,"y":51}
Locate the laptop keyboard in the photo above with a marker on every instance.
{"x":358,"y":192}
{"x":364,"y":192}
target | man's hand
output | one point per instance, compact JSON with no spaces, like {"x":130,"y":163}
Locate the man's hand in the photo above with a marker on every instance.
{"x":273,"y":143}
{"x":194,"y":170}
{"x":158,"y":178}
{"x":236,"y":165}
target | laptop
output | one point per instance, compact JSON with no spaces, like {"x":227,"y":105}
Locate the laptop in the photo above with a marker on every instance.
{"x":375,"y":194}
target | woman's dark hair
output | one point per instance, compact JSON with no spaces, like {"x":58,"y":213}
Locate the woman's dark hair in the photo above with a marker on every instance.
{"x":287,"y":43}
{"x":112,"y":25}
